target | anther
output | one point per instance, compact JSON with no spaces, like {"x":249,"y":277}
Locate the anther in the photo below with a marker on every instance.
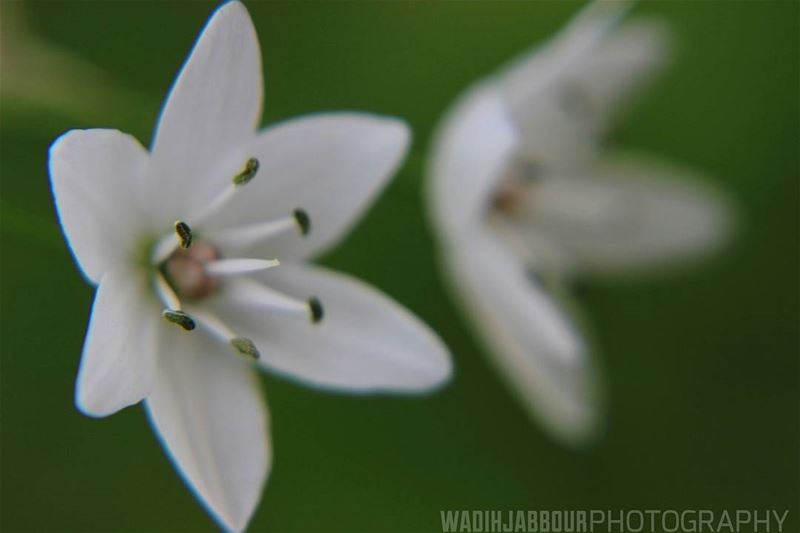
{"x":248,"y":172}
{"x":315,"y":309}
{"x":245,"y":347}
{"x":184,"y":233}
{"x":180,"y":318}
{"x":303,"y":221}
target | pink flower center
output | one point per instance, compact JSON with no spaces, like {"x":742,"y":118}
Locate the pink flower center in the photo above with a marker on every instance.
{"x":185,"y":270}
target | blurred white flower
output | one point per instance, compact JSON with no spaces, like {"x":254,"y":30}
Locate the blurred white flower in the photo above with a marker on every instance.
{"x":180,"y":234}
{"x":524,"y":199}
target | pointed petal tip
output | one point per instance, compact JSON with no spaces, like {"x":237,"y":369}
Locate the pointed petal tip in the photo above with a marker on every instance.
{"x":231,"y":6}
{"x":57,"y":145}
{"x":387,"y":131}
{"x":97,"y":400}
{"x":232,"y":9}
{"x":87,"y":406}
{"x":438,"y":372}
{"x":399,"y":132}
{"x":230,"y":523}
{"x":93,"y":405}
{"x":441,"y":374}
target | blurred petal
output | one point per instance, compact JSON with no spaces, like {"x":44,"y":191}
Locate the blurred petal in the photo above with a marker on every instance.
{"x":531,"y":340}
{"x":626,"y":60}
{"x":534,"y":74}
{"x":96,"y":176}
{"x":471,"y":151}
{"x":210,"y":115}
{"x":330,"y":165}
{"x":630,"y":213}
{"x":365,"y":342}
{"x":119,"y":354}
{"x":563,"y":94}
{"x":208,"y":411}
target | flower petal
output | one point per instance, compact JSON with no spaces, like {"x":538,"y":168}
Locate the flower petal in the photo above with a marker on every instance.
{"x":562,"y":95}
{"x":532,"y":342}
{"x":627,"y":59}
{"x":96,"y":176}
{"x":631,"y":213}
{"x":210,"y":115}
{"x":208,"y":411}
{"x":473,"y":147}
{"x":330,"y":165}
{"x":365,"y":342}
{"x":119,"y":353}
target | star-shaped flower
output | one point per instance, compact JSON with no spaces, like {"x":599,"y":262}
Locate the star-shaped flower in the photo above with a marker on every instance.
{"x":525,"y":199}
{"x":182,"y":242}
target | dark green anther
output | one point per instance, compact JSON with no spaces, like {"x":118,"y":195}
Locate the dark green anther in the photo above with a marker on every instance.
{"x":245,"y":347}
{"x":179,"y":317}
{"x":303,"y":221}
{"x":316,"y":310}
{"x":248,"y":173}
{"x":184,"y":233}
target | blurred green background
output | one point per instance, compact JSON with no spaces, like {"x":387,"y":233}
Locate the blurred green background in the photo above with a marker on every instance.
{"x":702,"y":365}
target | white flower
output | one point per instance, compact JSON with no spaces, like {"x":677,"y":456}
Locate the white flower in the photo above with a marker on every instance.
{"x":238,"y":196}
{"x":524,"y":199}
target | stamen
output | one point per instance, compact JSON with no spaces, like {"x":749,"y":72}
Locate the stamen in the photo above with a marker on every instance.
{"x":165,"y":292}
{"x":182,"y":236}
{"x":316,"y":310}
{"x":180,"y":318}
{"x":220,"y":330}
{"x":173,"y":312}
{"x":242,"y":236}
{"x":303,"y":221}
{"x":248,"y":173}
{"x":250,"y":293}
{"x":184,"y":233}
{"x":242,"y":178}
{"x":227,"y":267}
{"x":163,"y":249}
{"x":245,"y":347}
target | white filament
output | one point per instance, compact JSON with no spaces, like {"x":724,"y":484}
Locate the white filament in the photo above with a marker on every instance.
{"x":241,"y":236}
{"x":231,"y":267}
{"x":247,"y":292}
{"x":166,"y":294}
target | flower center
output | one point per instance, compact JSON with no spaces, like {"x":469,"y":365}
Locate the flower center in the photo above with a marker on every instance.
{"x":186,"y":272}
{"x":190,"y":270}
{"x":515,"y":186}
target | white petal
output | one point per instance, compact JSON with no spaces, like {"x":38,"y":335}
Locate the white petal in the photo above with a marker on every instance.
{"x":365,"y":342}
{"x":119,"y":354}
{"x":330,"y":165}
{"x":529,"y":338}
{"x":627,"y":59}
{"x":208,"y":411}
{"x":96,"y":177}
{"x":248,"y":292}
{"x":210,"y":115}
{"x":562,"y":95}
{"x":631,"y":213}
{"x":534,"y":74}
{"x":473,"y":147}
